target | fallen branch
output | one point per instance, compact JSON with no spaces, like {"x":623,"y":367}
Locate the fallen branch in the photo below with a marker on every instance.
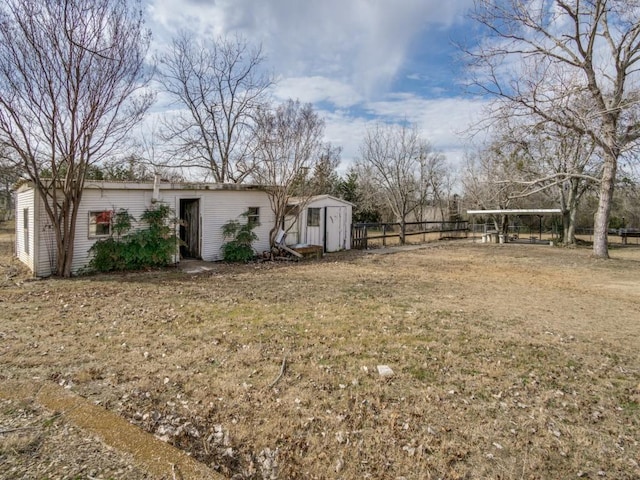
{"x":292,"y":252}
{"x":17,"y":429}
{"x":283,"y":367}
{"x":31,"y":426}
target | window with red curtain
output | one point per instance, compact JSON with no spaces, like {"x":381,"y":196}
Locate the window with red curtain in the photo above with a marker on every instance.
{"x":100,"y":223}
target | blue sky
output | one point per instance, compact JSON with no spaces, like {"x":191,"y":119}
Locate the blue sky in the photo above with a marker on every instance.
{"x":357,"y":61}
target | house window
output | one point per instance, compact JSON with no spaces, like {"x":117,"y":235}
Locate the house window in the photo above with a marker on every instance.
{"x":25,"y":229}
{"x":100,"y":223}
{"x":253,"y":216}
{"x":313,"y":217}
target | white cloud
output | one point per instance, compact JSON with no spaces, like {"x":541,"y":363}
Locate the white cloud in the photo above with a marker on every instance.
{"x":342,"y":56}
{"x":169,"y":16}
{"x":443,"y":122}
{"x":363,"y":42}
{"x":347,"y":132}
{"x":317,"y":89}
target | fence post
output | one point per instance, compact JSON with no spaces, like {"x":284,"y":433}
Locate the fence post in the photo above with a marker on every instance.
{"x":384,"y":234}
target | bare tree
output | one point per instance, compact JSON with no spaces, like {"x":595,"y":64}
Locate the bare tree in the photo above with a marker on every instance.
{"x":289,"y":141}
{"x":434,"y":184}
{"x":550,"y":159}
{"x":131,"y":168}
{"x":484,"y":184}
{"x":564,"y":165}
{"x":218,"y":87}
{"x":400,"y":162}
{"x":72,"y":86}
{"x":544,"y":55}
{"x":150,"y":158}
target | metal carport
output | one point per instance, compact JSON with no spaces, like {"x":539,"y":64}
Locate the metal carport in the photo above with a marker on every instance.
{"x":539,"y":212}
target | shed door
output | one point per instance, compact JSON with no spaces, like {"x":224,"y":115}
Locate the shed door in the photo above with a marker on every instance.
{"x":314,"y":226}
{"x":190,"y":227}
{"x":335,"y":228}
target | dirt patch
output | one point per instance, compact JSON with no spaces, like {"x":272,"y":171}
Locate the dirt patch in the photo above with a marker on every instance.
{"x":157,"y":458}
{"x":37,"y":443}
{"x":510,"y":361}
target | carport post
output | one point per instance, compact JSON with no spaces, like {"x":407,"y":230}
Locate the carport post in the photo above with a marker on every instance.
{"x":540,"y":220}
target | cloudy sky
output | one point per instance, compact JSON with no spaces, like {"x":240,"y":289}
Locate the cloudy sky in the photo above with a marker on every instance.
{"x":357,"y":61}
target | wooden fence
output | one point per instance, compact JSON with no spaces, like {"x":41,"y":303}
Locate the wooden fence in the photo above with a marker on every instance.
{"x":374,"y":235}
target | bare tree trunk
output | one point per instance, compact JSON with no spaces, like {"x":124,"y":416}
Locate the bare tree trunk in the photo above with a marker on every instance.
{"x":70,"y":239}
{"x":571,"y":228}
{"x":569,"y":207}
{"x":601,"y":223}
{"x":566,"y":226}
{"x":504,"y":227}
{"x":572,"y":203}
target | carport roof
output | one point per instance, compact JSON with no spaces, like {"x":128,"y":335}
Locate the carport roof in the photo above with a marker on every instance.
{"x":516,"y":211}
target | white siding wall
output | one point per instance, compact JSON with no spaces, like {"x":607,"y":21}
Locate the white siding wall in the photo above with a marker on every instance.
{"x":25,"y":199}
{"x":135,"y":201}
{"x":218,"y":207}
{"x":96,"y":200}
{"x":230,"y":205}
{"x":45,"y":242}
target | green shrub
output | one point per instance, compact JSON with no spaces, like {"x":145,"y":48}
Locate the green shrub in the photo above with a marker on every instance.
{"x":239,"y":248}
{"x":153,"y":246}
{"x":107,"y":255}
{"x":122,"y":222}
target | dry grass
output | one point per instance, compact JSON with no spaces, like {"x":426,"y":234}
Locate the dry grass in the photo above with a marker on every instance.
{"x":510,"y":361}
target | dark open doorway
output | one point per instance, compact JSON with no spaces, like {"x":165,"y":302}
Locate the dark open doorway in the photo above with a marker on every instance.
{"x":190,"y":227}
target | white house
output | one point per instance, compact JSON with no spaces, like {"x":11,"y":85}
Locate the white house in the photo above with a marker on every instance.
{"x":320,"y":220}
{"x":202,"y":209}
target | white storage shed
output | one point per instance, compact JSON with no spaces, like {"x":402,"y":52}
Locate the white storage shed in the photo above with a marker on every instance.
{"x":321,"y":220}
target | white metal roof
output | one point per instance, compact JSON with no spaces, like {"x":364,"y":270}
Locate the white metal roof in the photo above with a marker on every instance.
{"x":299,"y":200}
{"x":132,"y":185}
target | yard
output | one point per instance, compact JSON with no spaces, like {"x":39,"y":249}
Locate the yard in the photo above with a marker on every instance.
{"x":509,"y":361}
